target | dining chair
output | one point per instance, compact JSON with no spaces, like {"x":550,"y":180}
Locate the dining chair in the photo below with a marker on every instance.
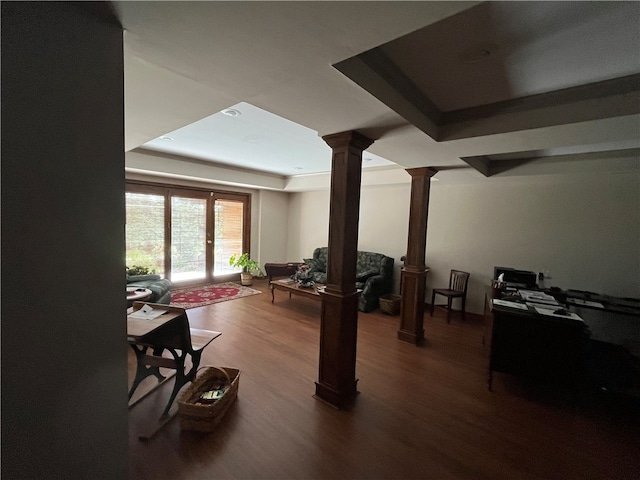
{"x":458,"y":282}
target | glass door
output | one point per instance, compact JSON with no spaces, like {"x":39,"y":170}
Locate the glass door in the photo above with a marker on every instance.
{"x":188,"y":238}
{"x":186,"y":234}
{"x":229,"y":235}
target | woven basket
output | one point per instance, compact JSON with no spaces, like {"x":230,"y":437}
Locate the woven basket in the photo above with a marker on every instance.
{"x":204,"y":417}
{"x":390,"y":304}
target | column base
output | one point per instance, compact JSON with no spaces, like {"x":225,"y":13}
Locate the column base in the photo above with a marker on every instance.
{"x":335,"y":398}
{"x":411,"y":337}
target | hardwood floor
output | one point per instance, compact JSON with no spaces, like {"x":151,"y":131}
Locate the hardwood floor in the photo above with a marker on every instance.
{"x":422,"y":412}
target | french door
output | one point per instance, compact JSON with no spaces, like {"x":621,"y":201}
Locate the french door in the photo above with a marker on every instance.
{"x":186,"y":235}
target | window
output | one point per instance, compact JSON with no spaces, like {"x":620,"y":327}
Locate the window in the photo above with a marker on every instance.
{"x":145,"y":231}
{"x":186,"y":235}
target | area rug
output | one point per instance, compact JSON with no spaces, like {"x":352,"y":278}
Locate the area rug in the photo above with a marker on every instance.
{"x":200,"y":296}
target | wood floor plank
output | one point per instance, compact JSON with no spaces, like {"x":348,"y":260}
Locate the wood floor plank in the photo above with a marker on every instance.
{"x":422,"y":412}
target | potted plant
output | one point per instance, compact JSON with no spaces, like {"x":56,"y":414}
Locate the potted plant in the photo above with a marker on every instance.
{"x":249,"y":267}
{"x":138,"y":270}
{"x":303,"y":276}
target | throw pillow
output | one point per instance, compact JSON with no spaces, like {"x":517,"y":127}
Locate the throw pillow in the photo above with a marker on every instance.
{"x":314,"y":266}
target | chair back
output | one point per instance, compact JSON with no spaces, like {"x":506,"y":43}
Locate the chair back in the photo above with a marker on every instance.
{"x":458,"y":281}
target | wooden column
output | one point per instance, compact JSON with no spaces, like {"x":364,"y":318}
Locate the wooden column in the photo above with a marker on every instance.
{"x":336,"y":383}
{"x":414,"y":273}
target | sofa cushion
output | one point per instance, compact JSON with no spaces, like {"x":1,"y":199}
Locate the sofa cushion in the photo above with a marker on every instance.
{"x":362,"y":276}
{"x":142,"y":278}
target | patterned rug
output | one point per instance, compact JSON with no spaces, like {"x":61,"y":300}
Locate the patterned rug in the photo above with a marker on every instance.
{"x":199,"y":296}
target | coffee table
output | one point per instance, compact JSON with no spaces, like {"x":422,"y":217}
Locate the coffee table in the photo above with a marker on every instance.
{"x":292,"y":287}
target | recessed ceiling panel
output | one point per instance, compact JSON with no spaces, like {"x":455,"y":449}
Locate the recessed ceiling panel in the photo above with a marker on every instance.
{"x":508,"y":66}
{"x":253,"y":138}
{"x":490,"y":165}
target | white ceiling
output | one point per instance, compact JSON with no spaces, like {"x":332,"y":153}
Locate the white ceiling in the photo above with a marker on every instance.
{"x":281,"y":65}
{"x":256,"y":139}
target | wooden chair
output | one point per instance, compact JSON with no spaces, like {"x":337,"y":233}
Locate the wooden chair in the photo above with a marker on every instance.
{"x":176,"y":337}
{"x":458,"y":282}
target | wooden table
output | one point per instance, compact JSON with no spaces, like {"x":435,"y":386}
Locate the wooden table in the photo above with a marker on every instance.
{"x":137,"y":294}
{"x":294,"y":289}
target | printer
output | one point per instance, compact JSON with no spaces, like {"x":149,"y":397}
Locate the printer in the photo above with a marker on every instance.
{"x":516,"y":278}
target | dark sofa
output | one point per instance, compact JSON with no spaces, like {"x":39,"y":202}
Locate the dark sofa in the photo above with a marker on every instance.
{"x":374,"y":275}
{"x":160,"y":287}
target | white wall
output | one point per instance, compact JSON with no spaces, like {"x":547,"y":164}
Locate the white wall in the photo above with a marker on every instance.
{"x":584,"y":231}
{"x":64,"y":357}
{"x":308,"y":223}
{"x":384,"y":223}
{"x":272,"y":210}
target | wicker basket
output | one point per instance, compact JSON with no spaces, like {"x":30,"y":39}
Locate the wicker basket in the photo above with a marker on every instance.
{"x":204,"y":417}
{"x":390,"y":304}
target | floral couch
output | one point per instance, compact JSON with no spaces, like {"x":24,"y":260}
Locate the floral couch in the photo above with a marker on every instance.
{"x":374,"y":275}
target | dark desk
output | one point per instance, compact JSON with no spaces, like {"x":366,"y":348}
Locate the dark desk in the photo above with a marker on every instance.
{"x":613,"y":353}
{"x":525,"y":343}
{"x":601,"y":351}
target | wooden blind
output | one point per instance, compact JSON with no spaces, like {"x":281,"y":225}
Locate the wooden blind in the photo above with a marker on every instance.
{"x":228,"y":221}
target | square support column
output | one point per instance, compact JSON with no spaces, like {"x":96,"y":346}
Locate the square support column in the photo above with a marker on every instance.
{"x":415,"y":271}
{"x":336,"y":383}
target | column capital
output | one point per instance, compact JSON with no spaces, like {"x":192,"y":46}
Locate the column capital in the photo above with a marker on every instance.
{"x":350,"y":138}
{"x":422,"y":172}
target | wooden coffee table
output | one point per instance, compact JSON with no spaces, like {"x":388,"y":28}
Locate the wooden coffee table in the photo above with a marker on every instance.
{"x":294,"y":289}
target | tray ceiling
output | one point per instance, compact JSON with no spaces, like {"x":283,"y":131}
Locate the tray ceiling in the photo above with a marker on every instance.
{"x":433,"y":83}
